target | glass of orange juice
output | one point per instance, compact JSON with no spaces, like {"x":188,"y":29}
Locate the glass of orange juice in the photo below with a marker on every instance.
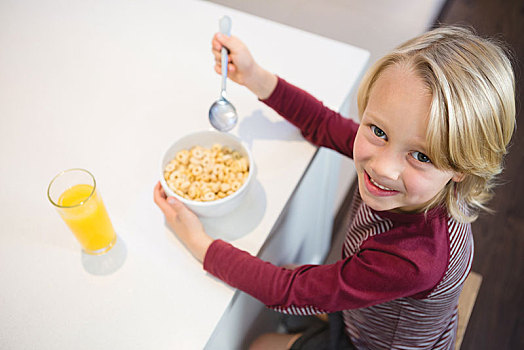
{"x":74,"y":194}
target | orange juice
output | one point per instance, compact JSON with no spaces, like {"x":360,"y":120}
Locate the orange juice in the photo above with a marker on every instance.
{"x":84,"y":212}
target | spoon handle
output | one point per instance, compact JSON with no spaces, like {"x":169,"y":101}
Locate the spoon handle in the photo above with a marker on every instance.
{"x":225,"y":28}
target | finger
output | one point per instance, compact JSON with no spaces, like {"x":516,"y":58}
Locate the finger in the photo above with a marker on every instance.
{"x":156,"y":193}
{"x":160,"y":199}
{"x":220,"y":41}
{"x":223,"y":40}
{"x":216,"y":45}
{"x":157,"y":196}
{"x":177,"y":207}
{"x":218,"y":57}
{"x":160,"y":190}
{"x":219,"y":38}
{"x":175,"y":203}
{"x":232,"y":43}
{"x":180,"y":208}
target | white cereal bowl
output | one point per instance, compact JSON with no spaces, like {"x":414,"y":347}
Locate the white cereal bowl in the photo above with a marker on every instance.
{"x":207,"y":139}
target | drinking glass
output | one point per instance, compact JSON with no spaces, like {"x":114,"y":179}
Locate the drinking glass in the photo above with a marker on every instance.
{"x":75,"y":196}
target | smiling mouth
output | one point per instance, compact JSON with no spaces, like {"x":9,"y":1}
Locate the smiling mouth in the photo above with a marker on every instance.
{"x":374,"y":183}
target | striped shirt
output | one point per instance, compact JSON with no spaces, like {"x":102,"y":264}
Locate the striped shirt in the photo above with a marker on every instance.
{"x":408,"y":323}
{"x":399,"y":276}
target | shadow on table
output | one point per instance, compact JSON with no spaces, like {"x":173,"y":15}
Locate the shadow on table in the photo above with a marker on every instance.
{"x":106,"y":264}
{"x":258,"y":126}
{"x":242,"y":220}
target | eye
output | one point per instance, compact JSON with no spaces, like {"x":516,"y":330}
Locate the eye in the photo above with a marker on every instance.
{"x":378,"y":132}
{"x":421,"y":157}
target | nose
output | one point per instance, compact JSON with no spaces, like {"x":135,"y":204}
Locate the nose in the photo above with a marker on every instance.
{"x":386,"y":164}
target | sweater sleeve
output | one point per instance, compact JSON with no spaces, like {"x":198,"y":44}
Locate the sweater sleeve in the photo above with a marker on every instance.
{"x":383,"y":270}
{"x":318,"y":124}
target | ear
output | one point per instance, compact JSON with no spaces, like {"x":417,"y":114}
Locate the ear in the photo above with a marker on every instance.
{"x":458,"y":177}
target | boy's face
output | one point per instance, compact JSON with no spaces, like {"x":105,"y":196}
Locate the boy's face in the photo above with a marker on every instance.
{"x":393,"y":170}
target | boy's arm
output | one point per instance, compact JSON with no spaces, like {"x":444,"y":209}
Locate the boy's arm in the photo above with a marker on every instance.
{"x":380,"y":272}
{"x":318,"y":124}
{"x":387,"y":267}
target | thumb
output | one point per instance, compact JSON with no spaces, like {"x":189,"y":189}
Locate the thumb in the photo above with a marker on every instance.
{"x":175,"y":204}
{"x":182,"y":212}
{"x":229,"y":42}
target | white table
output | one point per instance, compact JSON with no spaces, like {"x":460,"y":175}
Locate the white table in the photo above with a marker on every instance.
{"x":108,"y":86}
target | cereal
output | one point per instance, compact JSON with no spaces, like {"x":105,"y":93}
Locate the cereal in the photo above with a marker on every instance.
{"x":209,"y":196}
{"x":205,"y":175}
{"x":235,"y":185}
{"x":170,"y":167}
{"x":225,"y":187}
{"x":182,"y":157}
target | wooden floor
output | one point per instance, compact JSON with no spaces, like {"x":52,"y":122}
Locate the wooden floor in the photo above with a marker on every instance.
{"x":497,"y":321}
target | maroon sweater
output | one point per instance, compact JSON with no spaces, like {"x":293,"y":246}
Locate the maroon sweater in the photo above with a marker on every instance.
{"x":402,"y":267}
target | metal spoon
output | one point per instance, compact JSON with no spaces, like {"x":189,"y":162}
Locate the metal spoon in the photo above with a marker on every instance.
{"x":222,"y":114}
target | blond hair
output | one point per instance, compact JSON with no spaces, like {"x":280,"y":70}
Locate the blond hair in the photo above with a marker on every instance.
{"x":472,"y":113}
